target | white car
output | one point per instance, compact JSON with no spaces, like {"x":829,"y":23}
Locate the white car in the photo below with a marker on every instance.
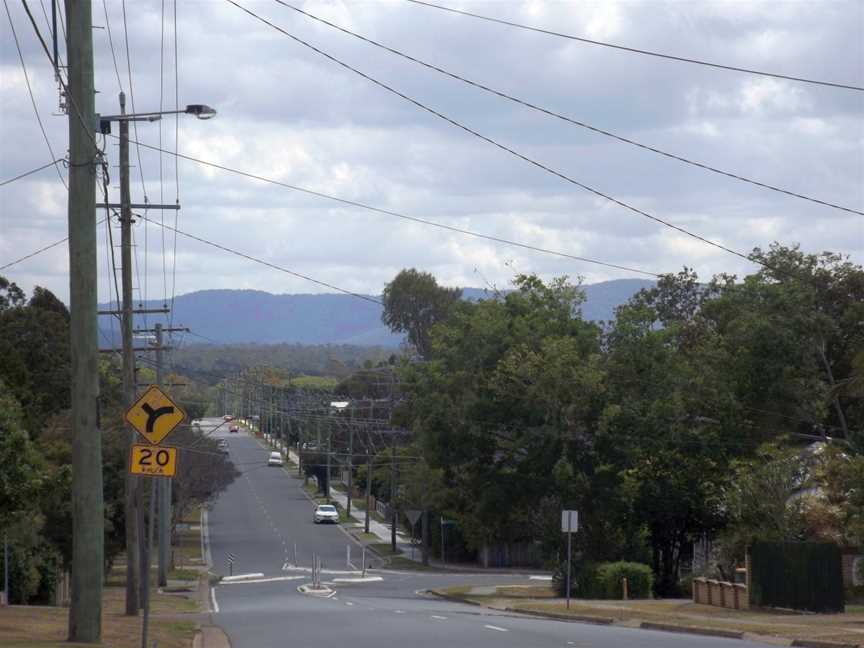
{"x":325,"y":513}
{"x":275,"y":459}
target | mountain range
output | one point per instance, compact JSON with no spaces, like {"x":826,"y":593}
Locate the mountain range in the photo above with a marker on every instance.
{"x":253,"y":316}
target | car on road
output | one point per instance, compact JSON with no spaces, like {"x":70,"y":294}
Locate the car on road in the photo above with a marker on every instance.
{"x":227,"y":417}
{"x":325,"y":513}
{"x":234,"y":429}
{"x":275,"y":459}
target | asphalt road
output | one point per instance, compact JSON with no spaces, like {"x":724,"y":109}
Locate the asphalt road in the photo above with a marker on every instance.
{"x":265,"y":512}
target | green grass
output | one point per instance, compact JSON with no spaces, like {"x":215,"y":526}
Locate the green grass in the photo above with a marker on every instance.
{"x":183,"y":574}
{"x":385,"y":549}
{"x":315,"y":382}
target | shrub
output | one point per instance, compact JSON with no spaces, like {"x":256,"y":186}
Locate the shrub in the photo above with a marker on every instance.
{"x":640,"y":580}
{"x":603,"y":580}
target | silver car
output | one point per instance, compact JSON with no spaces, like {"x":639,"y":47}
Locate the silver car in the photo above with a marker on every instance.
{"x":325,"y":513}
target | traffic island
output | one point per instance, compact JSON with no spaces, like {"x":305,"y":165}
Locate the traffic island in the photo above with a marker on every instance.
{"x":674,"y":615}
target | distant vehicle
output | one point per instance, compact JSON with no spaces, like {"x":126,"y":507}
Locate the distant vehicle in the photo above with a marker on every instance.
{"x":325,"y":513}
{"x":196,"y":423}
{"x":228,"y":417}
{"x":234,"y":429}
{"x":275,"y":459}
{"x":222,"y":444}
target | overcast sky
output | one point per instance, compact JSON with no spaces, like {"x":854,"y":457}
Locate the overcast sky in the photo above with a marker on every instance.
{"x":290,"y":114}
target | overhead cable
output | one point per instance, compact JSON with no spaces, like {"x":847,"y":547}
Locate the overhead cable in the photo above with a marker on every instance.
{"x":424,"y":221}
{"x":572,"y":120}
{"x":29,"y":88}
{"x":504,"y":147}
{"x":249,"y":257}
{"x":31,"y":172}
{"x":635,"y":50}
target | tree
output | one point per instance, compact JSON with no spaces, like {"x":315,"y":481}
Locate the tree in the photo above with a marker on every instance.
{"x":414,"y":303}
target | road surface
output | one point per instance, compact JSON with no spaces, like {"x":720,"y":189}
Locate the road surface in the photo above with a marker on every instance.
{"x":264,"y":513}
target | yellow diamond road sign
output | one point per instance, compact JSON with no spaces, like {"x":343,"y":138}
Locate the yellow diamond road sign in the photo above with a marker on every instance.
{"x":155,"y":415}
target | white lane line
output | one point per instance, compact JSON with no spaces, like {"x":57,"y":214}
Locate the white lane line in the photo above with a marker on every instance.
{"x":440,"y":618}
{"x":491,"y":627}
{"x":348,"y":603}
{"x":399,"y":611}
{"x":213,"y":598}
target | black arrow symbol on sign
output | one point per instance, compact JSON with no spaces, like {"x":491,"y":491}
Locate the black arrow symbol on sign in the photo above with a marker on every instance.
{"x":152,"y":414}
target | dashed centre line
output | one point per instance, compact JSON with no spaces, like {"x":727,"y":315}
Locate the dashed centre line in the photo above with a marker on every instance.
{"x":499,"y":629}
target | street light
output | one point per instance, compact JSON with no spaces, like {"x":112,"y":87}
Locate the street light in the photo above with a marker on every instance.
{"x":201,"y":111}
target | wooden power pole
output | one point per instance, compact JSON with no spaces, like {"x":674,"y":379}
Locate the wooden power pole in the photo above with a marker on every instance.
{"x":85,"y":613}
{"x":132,"y":483}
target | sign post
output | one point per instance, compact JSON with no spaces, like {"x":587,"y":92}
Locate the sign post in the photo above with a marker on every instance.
{"x":569,"y":525}
{"x":413,"y":515}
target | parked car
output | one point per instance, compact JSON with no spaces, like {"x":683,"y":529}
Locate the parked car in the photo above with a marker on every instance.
{"x":227,"y":417}
{"x":275,"y":459}
{"x":234,"y":429}
{"x":325,"y":513}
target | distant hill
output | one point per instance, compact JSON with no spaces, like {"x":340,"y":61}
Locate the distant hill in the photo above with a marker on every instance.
{"x":254,"y":316}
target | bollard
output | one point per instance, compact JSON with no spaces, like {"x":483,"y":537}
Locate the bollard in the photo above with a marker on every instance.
{"x":624,"y":587}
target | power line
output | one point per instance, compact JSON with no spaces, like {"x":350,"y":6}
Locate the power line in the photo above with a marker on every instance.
{"x":424,"y":221}
{"x":176,"y":166}
{"x":571,"y":120}
{"x":30,"y":89}
{"x":111,"y":44}
{"x":503,"y":147}
{"x":40,"y":250}
{"x":274,"y":266}
{"x":31,"y":172}
{"x":634,"y":50}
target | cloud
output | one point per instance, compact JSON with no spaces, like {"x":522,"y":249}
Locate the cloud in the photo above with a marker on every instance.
{"x":289,"y":114}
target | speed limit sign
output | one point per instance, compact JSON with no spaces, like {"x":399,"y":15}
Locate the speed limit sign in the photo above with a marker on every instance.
{"x":153,"y":461}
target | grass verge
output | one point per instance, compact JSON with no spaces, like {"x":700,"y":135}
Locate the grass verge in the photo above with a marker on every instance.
{"x":38,"y":627}
{"x":841,"y":628}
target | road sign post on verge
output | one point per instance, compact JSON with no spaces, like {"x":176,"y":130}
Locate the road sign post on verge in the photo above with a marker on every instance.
{"x":569,"y":525}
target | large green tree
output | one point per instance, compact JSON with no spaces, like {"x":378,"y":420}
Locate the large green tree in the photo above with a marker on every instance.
{"x":414,"y":303}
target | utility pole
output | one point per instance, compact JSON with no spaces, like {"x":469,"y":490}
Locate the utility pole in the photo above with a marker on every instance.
{"x":132,"y":483}
{"x":85,"y":613}
{"x":350,"y":462}
{"x":368,"y":488}
{"x":161,"y":487}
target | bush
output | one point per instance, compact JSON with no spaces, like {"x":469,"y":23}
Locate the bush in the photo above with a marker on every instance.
{"x":603,"y":580}
{"x":640,"y":580}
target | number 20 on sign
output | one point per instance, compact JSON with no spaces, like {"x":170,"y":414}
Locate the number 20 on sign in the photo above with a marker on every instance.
{"x":153,"y":461}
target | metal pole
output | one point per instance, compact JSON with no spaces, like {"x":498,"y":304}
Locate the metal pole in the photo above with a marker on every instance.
{"x":329,"y":451}
{"x":569,"y":539}
{"x":393,"y":498}
{"x":6,"y":567}
{"x":88,"y":511}
{"x":145,"y":577}
{"x":443,"y":560}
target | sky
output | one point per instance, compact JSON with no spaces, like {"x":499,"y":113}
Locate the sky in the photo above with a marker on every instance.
{"x":289,"y":114}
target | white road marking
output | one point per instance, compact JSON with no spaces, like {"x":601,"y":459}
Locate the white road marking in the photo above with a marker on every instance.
{"x":273,"y":579}
{"x":399,"y":611}
{"x":213,"y":598}
{"x":491,"y":627}
{"x":348,"y":603}
{"x":440,"y":618}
